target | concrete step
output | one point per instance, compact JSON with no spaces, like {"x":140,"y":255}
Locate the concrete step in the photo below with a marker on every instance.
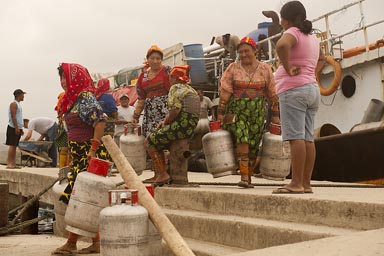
{"x":300,"y":208}
{"x":367,"y":243}
{"x":245,"y":232}
{"x":202,"y":248}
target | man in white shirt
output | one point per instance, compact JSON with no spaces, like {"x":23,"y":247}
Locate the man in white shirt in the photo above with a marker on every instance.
{"x":205,"y":105}
{"x":47,"y":128}
{"x":124,"y":114}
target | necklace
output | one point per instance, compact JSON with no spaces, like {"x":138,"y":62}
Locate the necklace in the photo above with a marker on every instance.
{"x":153,"y":73}
{"x":250,"y":72}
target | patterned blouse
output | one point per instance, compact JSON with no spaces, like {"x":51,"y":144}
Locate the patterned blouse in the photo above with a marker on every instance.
{"x":240,"y":84}
{"x":82,"y":118}
{"x":155,"y":87}
{"x":177,"y":94}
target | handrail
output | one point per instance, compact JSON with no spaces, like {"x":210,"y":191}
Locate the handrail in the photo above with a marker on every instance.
{"x":337,"y":10}
{"x":332,"y":38}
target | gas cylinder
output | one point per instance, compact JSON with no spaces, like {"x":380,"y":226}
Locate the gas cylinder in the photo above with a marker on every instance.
{"x":59,"y":208}
{"x":201,"y":129}
{"x":132,"y":146}
{"x":275,"y":157}
{"x":89,"y":196}
{"x":125,"y":229}
{"x":219,"y":152}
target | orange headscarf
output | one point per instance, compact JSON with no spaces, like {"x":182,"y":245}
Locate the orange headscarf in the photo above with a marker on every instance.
{"x":78,"y":80}
{"x":180,"y":73}
{"x":59,"y":100}
{"x":154,"y":48}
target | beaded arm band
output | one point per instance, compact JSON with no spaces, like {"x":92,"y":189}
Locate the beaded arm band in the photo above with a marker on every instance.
{"x":95,"y":143}
{"x":275,"y":108}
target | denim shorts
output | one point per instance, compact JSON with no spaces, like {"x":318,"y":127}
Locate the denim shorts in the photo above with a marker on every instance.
{"x":298,"y":107}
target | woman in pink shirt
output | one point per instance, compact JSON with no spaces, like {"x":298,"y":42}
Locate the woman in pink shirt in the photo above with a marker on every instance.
{"x":299,"y":95}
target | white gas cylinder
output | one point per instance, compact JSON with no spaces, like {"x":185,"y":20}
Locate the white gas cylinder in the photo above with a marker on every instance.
{"x":275,"y":157}
{"x":126,"y":229}
{"x":132,"y":146}
{"x":219,"y":153}
{"x":89,"y":196}
{"x":59,"y":208}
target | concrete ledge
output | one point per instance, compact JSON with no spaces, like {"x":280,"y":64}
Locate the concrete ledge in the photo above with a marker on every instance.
{"x":30,"y":181}
{"x":298,"y":208}
{"x":245,"y":233}
{"x":367,"y":243}
{"x":203,"y":248}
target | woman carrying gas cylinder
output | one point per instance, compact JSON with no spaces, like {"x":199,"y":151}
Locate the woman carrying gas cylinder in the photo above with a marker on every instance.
{"x":180,"y":122}
{"x":85,"y":122}
{"x":152,"y":88}
{"x":246,"y":87}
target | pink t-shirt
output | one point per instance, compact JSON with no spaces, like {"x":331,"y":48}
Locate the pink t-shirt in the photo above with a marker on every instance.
{"x":304,"y":54}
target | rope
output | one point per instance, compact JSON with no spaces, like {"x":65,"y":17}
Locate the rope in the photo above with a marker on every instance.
{"x":283,"y":184}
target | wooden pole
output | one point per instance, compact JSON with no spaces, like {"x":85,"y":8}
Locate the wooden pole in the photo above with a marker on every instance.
{"x":4,"y":197}
{"x":174,"y":240}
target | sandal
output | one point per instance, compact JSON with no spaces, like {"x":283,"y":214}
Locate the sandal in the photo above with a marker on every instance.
{"x":63,"y":251}
{"x":161,"y":183}
{"x":286,"y":190}
{"x":308,"y":191}
{"x":245,"y":184}
{"x":13,"y":167}
{"x":94,"y":248}
{"x":150,"y":180}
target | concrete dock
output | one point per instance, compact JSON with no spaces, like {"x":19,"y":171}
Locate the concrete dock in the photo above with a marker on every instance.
{"x":221,"y":219}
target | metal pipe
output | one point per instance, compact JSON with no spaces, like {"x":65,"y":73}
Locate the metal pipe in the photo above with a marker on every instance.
{"x":337,"y":10}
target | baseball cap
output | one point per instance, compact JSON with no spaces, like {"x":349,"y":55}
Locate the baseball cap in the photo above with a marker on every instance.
{"x":124,"y":95}
{"x":18,"y":92}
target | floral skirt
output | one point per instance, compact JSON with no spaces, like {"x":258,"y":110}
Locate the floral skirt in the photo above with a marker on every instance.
{"x":156,"y":109}
{"x":249,"y":124}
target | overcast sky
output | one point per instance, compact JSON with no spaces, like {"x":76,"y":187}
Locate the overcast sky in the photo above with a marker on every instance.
{"x":106,"y":36}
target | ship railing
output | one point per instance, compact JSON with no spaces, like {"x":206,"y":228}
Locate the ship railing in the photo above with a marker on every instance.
{"x":329,"y":42}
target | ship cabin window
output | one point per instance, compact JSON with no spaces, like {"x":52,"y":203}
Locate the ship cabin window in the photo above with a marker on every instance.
{"x":348,"y":86}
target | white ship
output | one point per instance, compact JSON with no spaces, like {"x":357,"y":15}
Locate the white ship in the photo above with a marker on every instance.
{"x":351,"y":83}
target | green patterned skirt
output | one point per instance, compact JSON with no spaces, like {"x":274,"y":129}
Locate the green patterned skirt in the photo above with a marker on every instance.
{"x":249,"y":124}
{"x":181,"y":128}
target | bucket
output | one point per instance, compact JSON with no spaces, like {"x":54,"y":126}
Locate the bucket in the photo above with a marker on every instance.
{"x":198,"y":71}
{"x":326,"y":130}
{"x":214,"y":126}
{"x":374,"y":112}
{"x":98,"y":166}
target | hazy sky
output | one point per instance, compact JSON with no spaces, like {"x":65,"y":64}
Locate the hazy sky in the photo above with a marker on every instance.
{"x":106,"y":36}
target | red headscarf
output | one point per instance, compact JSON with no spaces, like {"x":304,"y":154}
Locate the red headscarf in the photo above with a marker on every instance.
{"x":180,"y":73}
{"x":103,"y":86}
{"x":78,"y":80}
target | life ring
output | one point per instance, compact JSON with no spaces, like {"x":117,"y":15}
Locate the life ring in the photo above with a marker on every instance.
{"x":336,"y":78}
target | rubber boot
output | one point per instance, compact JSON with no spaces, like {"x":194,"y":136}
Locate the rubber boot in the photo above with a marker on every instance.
{"x":158,"y":164}
{"x":245,"y":174}
{"x":63,"y":157}
{"x":153,"y":179}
